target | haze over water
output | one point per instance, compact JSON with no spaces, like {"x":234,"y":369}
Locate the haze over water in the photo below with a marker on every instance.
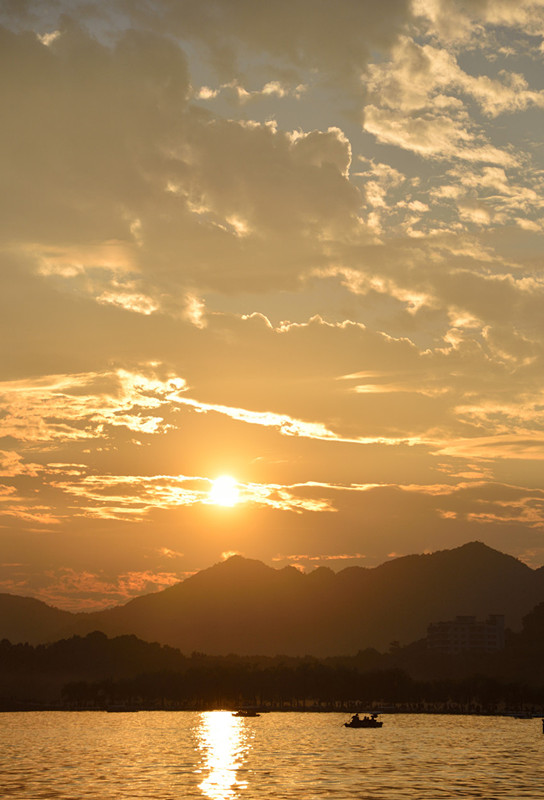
{"x":167,"y":755}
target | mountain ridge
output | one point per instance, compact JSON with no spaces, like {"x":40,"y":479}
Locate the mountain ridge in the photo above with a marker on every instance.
{"x":245,"y":606}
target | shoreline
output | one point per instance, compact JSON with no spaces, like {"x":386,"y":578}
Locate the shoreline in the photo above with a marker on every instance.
{"x":512,"y":713}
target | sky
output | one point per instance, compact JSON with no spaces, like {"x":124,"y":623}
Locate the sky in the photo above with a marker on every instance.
{"x":293,"y":246}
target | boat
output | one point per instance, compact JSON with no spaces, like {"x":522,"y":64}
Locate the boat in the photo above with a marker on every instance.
{"x":245,"y":712}
{"x":520,"y":714}
{"x":365,"y":722}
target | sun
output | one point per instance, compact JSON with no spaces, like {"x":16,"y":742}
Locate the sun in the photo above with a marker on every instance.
{"x":224,"y":491}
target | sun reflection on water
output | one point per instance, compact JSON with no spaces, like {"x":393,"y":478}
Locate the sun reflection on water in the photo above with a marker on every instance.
{"x":223,"y":742}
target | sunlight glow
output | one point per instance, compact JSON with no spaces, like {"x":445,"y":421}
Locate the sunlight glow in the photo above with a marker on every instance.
{"x":223,"y":744}
{"x":224,"y":491}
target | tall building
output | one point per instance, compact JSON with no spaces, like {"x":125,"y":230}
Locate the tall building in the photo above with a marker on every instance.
{"x":467,"y":634}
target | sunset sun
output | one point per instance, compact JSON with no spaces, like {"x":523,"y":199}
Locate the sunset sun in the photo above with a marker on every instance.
{"x":224,"y":491}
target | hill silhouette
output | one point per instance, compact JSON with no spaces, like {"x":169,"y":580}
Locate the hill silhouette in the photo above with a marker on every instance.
{"x":126,"y":673}
{"x":24,"y":619}
{"x":244,"y":606}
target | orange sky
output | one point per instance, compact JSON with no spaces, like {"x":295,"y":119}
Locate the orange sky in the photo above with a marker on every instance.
{"x":299,"y":244}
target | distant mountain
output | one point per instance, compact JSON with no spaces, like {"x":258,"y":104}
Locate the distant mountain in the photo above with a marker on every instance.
{"x":243,"y":606}
{"x":23,"y":619}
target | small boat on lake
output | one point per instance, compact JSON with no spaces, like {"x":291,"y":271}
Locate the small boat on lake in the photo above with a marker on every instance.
{"x":365,"y":722}
{"x":246,"y":712}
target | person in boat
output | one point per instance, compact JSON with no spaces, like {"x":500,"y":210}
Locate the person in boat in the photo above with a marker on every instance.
{"x":355,"y":718}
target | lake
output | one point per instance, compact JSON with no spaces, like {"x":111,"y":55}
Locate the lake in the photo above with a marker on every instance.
{"x":167,"y":755}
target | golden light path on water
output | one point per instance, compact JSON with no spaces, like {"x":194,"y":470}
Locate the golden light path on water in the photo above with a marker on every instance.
{"x":223,"y":743}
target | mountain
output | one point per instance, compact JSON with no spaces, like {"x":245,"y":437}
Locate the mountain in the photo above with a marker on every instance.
{"x":243,"y":606}
{"x":24,"y":619}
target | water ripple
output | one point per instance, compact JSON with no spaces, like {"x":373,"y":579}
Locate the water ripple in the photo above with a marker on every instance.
{"x":214,"y":756}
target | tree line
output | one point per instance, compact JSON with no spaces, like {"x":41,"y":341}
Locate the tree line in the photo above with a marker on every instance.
{"x":306,"y":686}
{"x":98,"y":672}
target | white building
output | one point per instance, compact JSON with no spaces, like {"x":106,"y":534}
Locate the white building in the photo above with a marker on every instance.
{"x":467,"y":634}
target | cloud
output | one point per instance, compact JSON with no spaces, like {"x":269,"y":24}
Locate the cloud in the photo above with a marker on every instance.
{"x":118,"y":156}
{"x":316,"y":389}
{"x":421,"y":77}
{"x":26,"y":513}
{"x":519,"y":446}
{"x":433,"y":136}
{"x":300,"y":34}
{"x":167,"y":553}
{"x":11,"y":465}
{"x":136,"y":496}
{"x":308,"y":562}
{"x":74,"y":590}
{"x":298,"y":243}
{"x":238,"y":95}
{"x":81,"y":406}
{"x":459,"y":21}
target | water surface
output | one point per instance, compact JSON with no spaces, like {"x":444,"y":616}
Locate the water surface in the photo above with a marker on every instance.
{"x":167,"y":755}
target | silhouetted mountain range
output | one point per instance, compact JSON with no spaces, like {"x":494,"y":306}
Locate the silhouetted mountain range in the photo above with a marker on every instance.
{"x":24,"y":619}
{"x":243,"y":606}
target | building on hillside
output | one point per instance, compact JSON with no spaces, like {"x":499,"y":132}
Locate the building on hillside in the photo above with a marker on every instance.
{"x":467,"y":634}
